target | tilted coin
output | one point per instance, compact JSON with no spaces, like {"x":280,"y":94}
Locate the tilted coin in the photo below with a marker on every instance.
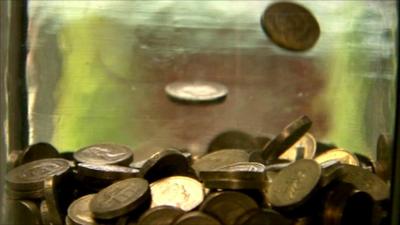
{"x":290,"y":26}
{"x":345,"y":205}
{"x":107,"y":172}
{"x":289,"y":136}
{"x":232,"y":139}
{"x":220,"y":158}
{"x":79,"y":212}
{"x":21,"y":212}
{"x":196,"y":91}
{"x":227,"y":206}
{"x":105,"y":154}
{"x":304,"y":148}
{"x":182,"y":192}
{"x":294,"y":184}
{"x":163,"y":164}
{"x":340,"y":155}
{"x":262,"y":217}
{"x":384,"y":156}
{"x":120,"y":198}
{"x":160,"y":215}
{"x":38,"y":151}
{"x":261,"y":141}
{"x":196,"y":218}
{"x":366,"y":181}
{"x":30,"y":176}
{"x":51,"y":194}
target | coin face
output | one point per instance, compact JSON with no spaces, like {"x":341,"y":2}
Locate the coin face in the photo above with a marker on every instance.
{"x":30,"y":176}
{"x":79,"y":211}
{"x":196,"y":218}
{"x":366,"y":181}
{"x":289,"y":136}
{"x":304,"y":148}
{"x":178,"y":191}
{"x":105,"y":154}
{"x":160,"y":215}
{"x":220,"y":158}
{"x":38,"y":151}
{"x":290,"y":25}
{"x":227,"y":206}
{"x":232,"y":139}
{"x":338,"y":154}
{"x":294,"y":183}
{"x":120,"y":198}
{"x":196,"y":91}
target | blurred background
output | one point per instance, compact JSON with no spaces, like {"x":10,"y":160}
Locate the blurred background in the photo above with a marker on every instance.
{"x":96,"y":72}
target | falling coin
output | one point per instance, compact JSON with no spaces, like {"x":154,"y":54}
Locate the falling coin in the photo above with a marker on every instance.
{"x":196,"y":91}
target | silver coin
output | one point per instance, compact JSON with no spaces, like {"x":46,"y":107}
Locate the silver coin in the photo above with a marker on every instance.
{"x":105,"y":154}
{"x":30,"y":176}
{"x":196,"y":91}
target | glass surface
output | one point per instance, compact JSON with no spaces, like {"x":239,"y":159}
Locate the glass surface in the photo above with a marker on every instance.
{"x":96,"y":72}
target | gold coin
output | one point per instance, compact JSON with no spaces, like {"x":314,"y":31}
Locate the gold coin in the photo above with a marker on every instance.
{"x":182,"y":192}
{"x":304,"y":148}
{"x":339,"y":155}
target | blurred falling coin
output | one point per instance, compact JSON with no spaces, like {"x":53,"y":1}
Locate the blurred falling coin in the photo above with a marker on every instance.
{"x":182,"y":192}
{"x":306,"y":144}
{"x":340,"y":155}
{"x":196,"y":91}
{"x":290,"y":26}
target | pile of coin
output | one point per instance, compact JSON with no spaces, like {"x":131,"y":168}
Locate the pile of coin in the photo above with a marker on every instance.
{"x":242,"y":180}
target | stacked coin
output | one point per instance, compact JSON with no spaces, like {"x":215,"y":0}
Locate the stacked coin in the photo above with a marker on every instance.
{"x":287,"y":179}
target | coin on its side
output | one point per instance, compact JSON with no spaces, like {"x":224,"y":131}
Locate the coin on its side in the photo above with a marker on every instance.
{"x":196,"y":91}
{"x":51,"y":187}
{"x":291,"y":26}
{"x":289,"y":136}
{"x":38,"y":151}
{"x":30,"y":176}
{"x":44,"y":213}
{"x":304,"y":148}
{"x":196,"y":218}
{"x":220,"y":158}
{"x":105,"y":154}
{"x":294,"y":184}
{"x":120,"y":198}
{"x":340,"y":155}
{"x":227,"y":206}
{"x":79,"y":211}
{"x":178,"y":191}
{"x":232,"y":139}
{"x":160,"y":215}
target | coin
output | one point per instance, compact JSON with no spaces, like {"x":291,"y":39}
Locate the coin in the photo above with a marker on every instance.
{"x":365,"y":162}
{"x":227,"y":206}
{"x":51,"y":187}
{"x":196,"y":91}
{"x":105,"y":154}
{"x":262,"y":217}
{"x":21,"y":195}
{"x":261,"y":141}
{"x":232,"y":139}
{"x":242,"y":175}
{"x":294,"y":184}
{"x":30,"y":176}
{"x":44,"y":213}
{"x":340,"y":155}
{"x":383,"y":155}
{"x":120,"y":198}
{"x":290,"y":26}
{"x":182,"y":192}
{"x":163,"y":164}
{"x":196,"y":218}
{"x":79,"y":211}
{"x":366,"y":181}
{"x":21,"y":212}
{"x":38,"y":151}
{"x":220,"y":158}
{"x":107,"y":172}
{"x":12,"y":159}
{"x":160,"y":215}
{"x":346,"y":205}
{"x":289,"y":136}
{"x":304,"y":148}
{"x":138,"y":165}
{"x":331,"y":173}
